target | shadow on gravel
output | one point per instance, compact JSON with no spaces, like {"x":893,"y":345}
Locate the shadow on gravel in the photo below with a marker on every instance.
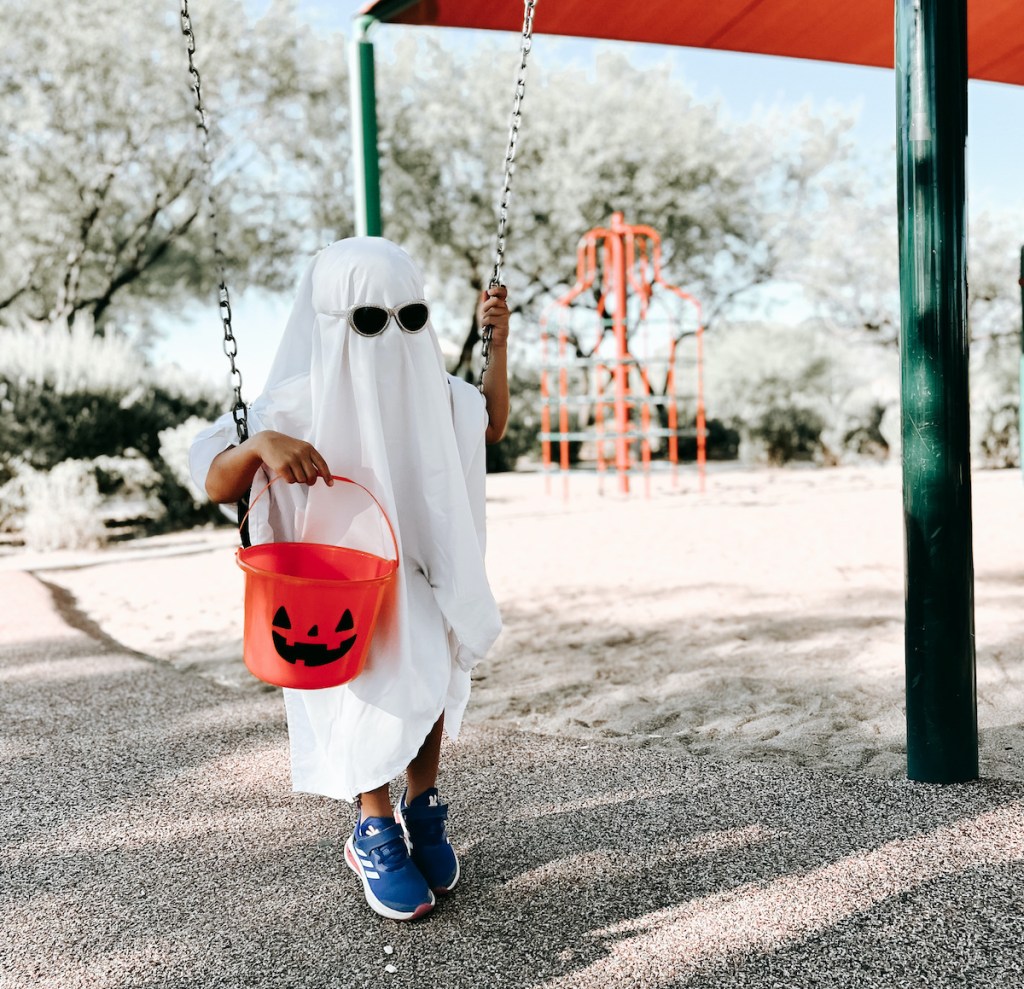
{"x":85,"y":728}
{"x":589,"y":866}
{"x":150,"y":840}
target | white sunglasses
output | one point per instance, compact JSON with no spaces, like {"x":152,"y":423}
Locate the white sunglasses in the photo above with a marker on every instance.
{"x":369,"y":320}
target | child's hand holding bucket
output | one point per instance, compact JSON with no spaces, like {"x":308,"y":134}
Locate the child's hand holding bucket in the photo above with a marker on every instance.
{"x":294,"y":461}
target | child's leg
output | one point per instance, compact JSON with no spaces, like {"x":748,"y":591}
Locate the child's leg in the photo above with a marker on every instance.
{"x":423,"y":816}
{"x":422,"y":771}
{"x":422,"y":774}
{"x":375,"y":803}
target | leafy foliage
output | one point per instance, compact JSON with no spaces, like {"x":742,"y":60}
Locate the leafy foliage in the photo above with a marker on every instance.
{"x":995,"y":403}
{"x":731,"y":202}
{"x":89,"y":411}
{"x":65,"y":393}
{"x":104,"y":189}
{"x":55,"y":509}
{"x":800,"y":393}
{"x":103,"y":179}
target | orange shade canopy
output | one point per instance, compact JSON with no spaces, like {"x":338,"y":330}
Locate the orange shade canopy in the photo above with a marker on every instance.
{"x":859,"y":32}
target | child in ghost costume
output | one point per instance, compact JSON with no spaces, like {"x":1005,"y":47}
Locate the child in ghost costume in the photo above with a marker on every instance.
{"x":345,"y":396}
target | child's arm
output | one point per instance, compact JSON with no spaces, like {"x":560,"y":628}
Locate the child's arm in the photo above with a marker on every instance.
{"x":293,"y":460}
{"x":494,"y":312}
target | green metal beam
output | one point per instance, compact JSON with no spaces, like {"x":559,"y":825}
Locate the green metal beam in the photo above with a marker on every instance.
{"x":931,"y":99}
{"x":365,"y":158}
{"x":362,"y":83}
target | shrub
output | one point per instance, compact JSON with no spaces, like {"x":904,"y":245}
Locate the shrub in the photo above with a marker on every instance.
{"x":71,"y":359}
{"x":174,"y":446}
{"x":184,"y":503}
{"x":801,"y":393}
{"x":997,"y":436}
{"x":722,"y":442}
{"x":68,"y":396}
{"x":77,"y":504}
{"x":56,"y":509}
{"x":995,"y":403}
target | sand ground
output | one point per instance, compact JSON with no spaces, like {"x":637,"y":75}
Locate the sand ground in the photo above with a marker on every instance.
{"x":761,"y":620}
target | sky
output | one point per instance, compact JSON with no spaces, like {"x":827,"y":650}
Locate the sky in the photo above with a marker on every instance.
{"x":743,"y":85}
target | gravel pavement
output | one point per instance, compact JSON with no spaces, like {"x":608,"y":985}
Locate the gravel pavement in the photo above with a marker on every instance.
{"x":150,"y":839}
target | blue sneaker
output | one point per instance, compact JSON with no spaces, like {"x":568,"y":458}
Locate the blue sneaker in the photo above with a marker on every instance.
{"x":424,"y":827}
{"x":377,"y":852}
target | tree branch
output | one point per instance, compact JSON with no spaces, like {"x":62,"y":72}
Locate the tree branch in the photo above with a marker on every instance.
{"x":137,"y":267}
{"x":64,"y":305}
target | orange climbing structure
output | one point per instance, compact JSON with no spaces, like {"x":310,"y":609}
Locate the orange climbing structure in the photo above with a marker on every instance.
{"x":619,"y":394}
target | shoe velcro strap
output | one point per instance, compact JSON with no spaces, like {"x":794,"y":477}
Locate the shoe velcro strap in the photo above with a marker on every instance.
{"x":421,"y":813}
{"x":370,"y":842}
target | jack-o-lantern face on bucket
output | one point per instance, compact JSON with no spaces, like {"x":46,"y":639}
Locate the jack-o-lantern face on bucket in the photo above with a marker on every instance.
{"x":312,"y":649}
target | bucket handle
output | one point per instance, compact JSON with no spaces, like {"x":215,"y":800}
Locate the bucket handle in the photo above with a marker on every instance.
{"x":336,"y":477}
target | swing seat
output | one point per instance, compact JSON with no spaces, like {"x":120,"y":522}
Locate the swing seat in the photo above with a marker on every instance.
{"x":311,"y":609}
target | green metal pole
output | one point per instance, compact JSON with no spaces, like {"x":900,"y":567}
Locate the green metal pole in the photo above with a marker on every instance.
{"x":931,"y":100}
{"x":1020,"y":411}
{"x":365,"y":159}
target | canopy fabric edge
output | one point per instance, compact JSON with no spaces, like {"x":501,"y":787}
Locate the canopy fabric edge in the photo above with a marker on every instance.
{"x":827,"y":30}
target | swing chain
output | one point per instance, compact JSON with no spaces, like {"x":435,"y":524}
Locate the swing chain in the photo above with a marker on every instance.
{"x":230,"y":344}
{"x":510,"y":167}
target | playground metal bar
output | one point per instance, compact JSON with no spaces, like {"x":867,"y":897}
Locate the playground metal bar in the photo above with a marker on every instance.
{"x":931,"y":102}
{"x":618,"y":259}
{"x":1020,"y":409}
{"x":585,"y":435}
{"x":628,"y":360}
{"x":584,"y":401}
{"x":365,"y":159}
{"x":363,"y":96}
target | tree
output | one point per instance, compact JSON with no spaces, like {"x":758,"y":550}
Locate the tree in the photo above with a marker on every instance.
{"x":103,"y":180}
{"x":993,"y":297}
{"x":729,"y":199}
{"x":993,"y":307}
{"x":848,"y":266}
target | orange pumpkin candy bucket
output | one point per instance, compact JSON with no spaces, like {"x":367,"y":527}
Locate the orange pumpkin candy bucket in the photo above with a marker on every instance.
{"x":311,"y":608}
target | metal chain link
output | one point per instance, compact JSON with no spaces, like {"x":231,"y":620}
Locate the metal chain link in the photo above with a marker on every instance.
{"x":230,"y":344}
{"x":510,"y":167}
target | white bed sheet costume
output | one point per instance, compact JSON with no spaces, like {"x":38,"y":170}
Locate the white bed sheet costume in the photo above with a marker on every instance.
{"x":383,"y":411}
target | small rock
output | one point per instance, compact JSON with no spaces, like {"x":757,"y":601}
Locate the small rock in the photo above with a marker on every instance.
{"x":388,"y":949}
{"x":390,"y":969}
